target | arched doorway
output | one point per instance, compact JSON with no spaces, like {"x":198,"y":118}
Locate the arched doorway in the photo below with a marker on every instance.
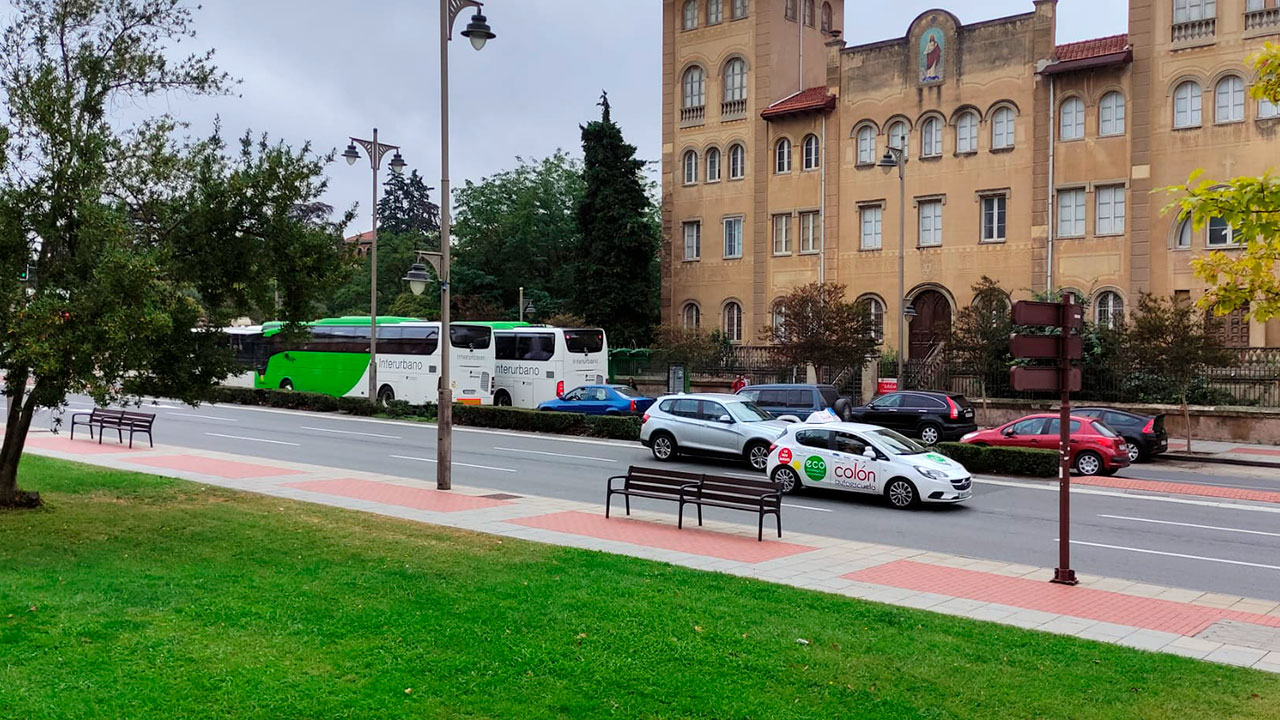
{"x":930,"y":326}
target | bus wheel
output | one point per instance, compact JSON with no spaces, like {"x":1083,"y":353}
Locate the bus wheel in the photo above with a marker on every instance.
{"x":502,"y":398}
{"x":386,"y":394}
{"x":286,"y":384}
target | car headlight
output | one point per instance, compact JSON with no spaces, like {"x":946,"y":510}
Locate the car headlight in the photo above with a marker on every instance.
{"x":967,"y":436}
{"x":931,"y":473}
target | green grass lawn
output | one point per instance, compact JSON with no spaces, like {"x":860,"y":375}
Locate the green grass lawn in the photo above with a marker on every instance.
{"x":131,"y":596}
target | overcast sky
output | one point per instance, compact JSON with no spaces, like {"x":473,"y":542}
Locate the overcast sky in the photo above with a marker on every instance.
{"x":322,"y":70}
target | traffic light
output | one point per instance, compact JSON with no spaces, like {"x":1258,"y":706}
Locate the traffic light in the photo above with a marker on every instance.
{"x":26,"y":273}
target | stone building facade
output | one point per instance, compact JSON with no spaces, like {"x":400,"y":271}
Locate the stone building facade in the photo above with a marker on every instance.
{"x":1032,"y":162}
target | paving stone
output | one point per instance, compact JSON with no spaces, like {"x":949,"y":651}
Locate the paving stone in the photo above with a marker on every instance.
{"x":1235,"y":655}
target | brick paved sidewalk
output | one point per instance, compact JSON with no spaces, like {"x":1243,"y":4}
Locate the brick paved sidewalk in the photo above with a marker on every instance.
{"x":1209,"y":626}
{"x":1228,"y":452}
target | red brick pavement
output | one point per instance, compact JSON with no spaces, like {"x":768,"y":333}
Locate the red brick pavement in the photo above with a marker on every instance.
{"x":1100,"y":605}
{"x":666,"y":537}
{"x":388,"y":494}
{"x":79,"y":446}
{"x":1254,"y":451}
{"x":1180,"y":488}
{"x":209,"y":466}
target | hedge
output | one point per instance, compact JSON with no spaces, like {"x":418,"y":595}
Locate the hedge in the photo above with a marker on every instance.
{"x":1002,"y":460}
{"x":509,"y":418}
{"x":615,"y":427}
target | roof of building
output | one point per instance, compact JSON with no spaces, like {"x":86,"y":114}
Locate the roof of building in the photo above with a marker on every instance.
{"x":815,"y":98}
{"x":1110,"y":50}
{"x":364,"y":238}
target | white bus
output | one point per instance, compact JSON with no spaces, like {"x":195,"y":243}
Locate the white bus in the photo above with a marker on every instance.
{"x":334,"y":359}
{"x":245,"y":341}
{"x":534,"y":364}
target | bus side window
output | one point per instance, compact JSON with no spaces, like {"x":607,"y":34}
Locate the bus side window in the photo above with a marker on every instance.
{"x":544,"y":346}
{"x":504,"y":347}
{"x":391,"y":340}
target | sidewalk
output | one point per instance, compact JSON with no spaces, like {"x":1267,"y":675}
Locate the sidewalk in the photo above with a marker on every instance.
{"x":1231,"y":453}
{"x":1214,"y":627}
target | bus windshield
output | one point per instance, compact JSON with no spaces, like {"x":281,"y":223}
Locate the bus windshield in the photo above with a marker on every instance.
{"x":584,"y":341}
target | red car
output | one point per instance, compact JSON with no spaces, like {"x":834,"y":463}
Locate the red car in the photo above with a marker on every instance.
{"x":1095,"y":448}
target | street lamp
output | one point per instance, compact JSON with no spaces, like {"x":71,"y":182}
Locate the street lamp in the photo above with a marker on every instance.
{"x":376,"y":151}
{"x":524,"y":308}
{"x":478,"y":32}
{"x":897,"y":157}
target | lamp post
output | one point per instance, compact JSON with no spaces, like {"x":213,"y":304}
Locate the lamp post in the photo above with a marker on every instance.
{"x":376,"y":151}
{"x":897,"y":157}
{"x":525,"y":308}
{"x":478,"y":33}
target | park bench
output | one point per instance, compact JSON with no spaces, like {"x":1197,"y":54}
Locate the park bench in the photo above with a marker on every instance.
{"x":121,"y":421}
{"x":698,"y":489}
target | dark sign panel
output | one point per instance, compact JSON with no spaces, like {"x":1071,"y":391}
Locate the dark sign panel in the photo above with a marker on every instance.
{"x":1042,"y":379}
{"x":1045,"y":346}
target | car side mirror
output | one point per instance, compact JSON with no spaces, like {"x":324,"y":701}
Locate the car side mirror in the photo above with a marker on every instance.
{"x":726,"y":419}
{"x":1009,"y":432}
{"x":869,"y":452}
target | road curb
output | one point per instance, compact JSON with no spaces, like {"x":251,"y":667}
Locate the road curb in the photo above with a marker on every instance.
{"x":1219,"y":460}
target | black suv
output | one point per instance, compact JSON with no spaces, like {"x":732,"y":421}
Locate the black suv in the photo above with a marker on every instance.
{"x":798,"y":400}
{"x":1144,"y":435}
{"x":930,"y":416}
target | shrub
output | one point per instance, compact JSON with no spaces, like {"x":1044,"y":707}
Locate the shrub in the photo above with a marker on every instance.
{"x":507,"y":418}
{"x":1003,"y":460}
{"x":356,"y":406}
{"x":614,"y":427}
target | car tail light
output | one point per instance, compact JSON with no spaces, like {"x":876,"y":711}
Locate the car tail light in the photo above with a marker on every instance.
{"x":773,"y":446}
{"x":955,"y":409}
{"x":646,"y":417}
{"x":1150,"y":427}
{"x":633,"y":406}
{"x":560,"y":388}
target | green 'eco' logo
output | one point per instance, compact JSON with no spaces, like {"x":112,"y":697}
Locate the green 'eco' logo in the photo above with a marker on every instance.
{"x":815,"y":468}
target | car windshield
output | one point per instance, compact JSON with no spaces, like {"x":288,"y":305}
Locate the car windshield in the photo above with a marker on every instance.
{"x":747,"y":412}
{"x":626,"y":392}
{"x":898,"y":444}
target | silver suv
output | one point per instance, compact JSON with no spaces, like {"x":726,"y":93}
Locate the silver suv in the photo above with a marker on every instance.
{"x":710,"y":424}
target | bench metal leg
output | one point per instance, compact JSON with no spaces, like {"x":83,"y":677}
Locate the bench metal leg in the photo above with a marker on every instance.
{"x":778,"y":518}
{"x":699,"y":515}
{"x":760,"y":530}
{"x":608,"y":496}
{"x":680,"y":521}
{"x":628,"y":499}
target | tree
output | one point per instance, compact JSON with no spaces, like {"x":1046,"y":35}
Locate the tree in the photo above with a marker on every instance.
{"x":980,"y":335}
{"x":690,"y":346}
{"x":424,"y":307}
{"x":819,"y":326}
{"x":141,"y":244}
{"x":1250,"y":206}
{"x":1167,"y":338}
{"x":406,"y":208}
{"x":565,"y":320}
{"x":519,"y":229}
{"x":616,"y":281}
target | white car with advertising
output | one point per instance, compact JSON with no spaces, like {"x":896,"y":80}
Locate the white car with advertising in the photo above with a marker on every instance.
{"x":854,"y":457}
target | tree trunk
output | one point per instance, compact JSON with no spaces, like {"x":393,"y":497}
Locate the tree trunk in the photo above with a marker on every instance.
{"x":17,"y":422}
{"x":1186,"y":421}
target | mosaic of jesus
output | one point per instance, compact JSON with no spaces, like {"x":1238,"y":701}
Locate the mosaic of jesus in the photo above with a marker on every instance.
{"x":931,"y":56}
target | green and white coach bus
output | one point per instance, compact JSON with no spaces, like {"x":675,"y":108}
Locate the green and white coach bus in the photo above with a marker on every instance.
{"x":333,"y":358}
{"x":536,"y":363}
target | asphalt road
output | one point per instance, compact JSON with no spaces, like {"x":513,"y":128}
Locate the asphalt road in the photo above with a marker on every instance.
{"x":1182,"y":541}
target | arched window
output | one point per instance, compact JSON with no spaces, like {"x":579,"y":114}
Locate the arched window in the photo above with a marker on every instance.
{"x":735,"y":80}
{"x":876,"y":308}
{"x":1109,"y":309}
{"x":1111,"y":114}
{"x":967,"y":132}
{"x":826,"y":17}
{"x":811,"y":160}
{"x":1229,"y":100}
{"x":715,"y":12}
{"x":690,"y":14}
{"x":692,"y":316}
{"x":733,"y":321}
{"x":898,"y":135}
{"x":779,"y":319}
{"x":1002,"y":130}
{"x":713,"y":165}
{"x":808,"y":12}
{"x":737,"y":162}
{"x":866,"y":145}
{"x":1071,"y":119}
{"x":1182,"y":240}
{"x":1186,"y":105}
{"x":782,"y":156}
{"x":739,"y":9}
{"x":789,"y":10}
{"x":931,"y":138}
{"x":695,"y":95}
{"x":690,"y":167}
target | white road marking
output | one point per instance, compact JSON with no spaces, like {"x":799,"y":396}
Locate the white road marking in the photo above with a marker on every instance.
{"x":1177,"y":555}
{"x":1191,"y":525}
{"x":807,"y":507}
{"x":202,"y":417}
{"x":348,"y":432}
{"x":1131,"y":496}
{"x":252,"y":439}
{"x":555,"y":454}
{"x":431,"y":460}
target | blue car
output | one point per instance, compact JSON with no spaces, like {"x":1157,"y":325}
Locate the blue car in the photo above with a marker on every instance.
{"x":600,"y":400}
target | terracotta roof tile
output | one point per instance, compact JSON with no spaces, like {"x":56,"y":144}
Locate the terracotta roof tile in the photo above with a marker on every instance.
{"x":816,"y":98}
{"x":1091,"y":48}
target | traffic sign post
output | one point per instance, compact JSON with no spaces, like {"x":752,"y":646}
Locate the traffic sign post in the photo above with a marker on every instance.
{"x":1063,"y":347}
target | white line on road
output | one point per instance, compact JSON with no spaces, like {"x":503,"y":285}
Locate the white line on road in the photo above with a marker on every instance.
{"x":202,"y":417}
{"x":807,"y":507}
{"x":1190,"y":525}
{"x":1270,"y":508}
{"x":348,"y":432}
{"x":252,"y":439}
{"x":555,"y":454}
{"x":1172,"y":554}
{"x":431,"y":460}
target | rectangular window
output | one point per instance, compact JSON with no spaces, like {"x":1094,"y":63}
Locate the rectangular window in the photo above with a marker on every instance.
{"x":733,"y":237}
{"x":1071,"y":213}
{"x":1110,"y":202}
{"x":715,"y":11}
{"x":1220,"y":233}
{"x":1189,"y":10}
{"x":1267,"y":109}
{"x":692,"y":240}
{"x":810,"y":232}
{"x":872,"y":226}
{"x":740,"y":9}
{"x":993,"y":218}
{"x":967,"y":133}
{"x":781,"y":234}
{"x":931,"y":223}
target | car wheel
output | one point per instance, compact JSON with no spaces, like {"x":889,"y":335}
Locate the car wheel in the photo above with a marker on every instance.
{"x":1088,"y":463}
{"x":502,"y":399}
{"x":663,"y":446}
{"x":930,"y":434}
{"x":1134,"y":450}
{"x":757,"y":455}
{"x":788,"y":478}
{"x":901,"y":493}
{"x":386,"y":394}
{"x":286,"y":384}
